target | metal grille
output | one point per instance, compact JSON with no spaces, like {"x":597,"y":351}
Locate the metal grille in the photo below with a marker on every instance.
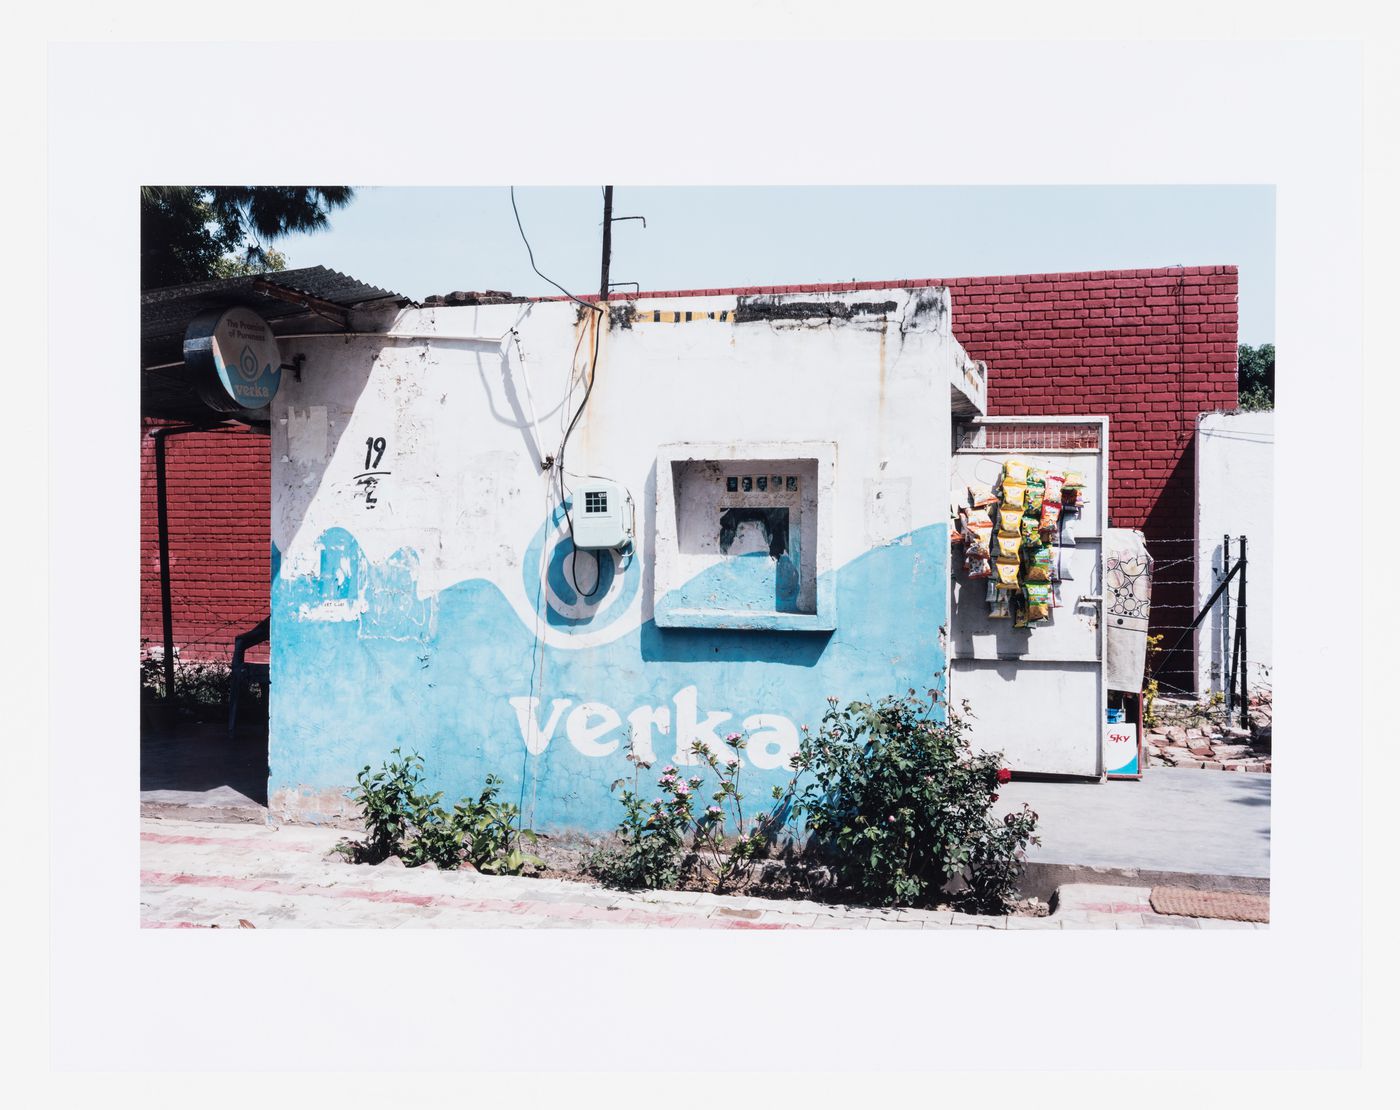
{"x":1029,"y":437}
{"x":595,"y":501}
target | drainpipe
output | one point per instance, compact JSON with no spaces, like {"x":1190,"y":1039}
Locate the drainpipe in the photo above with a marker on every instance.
{"x":163,"y":530}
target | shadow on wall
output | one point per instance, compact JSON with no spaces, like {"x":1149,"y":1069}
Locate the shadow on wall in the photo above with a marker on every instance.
{"x":1170,"y":530}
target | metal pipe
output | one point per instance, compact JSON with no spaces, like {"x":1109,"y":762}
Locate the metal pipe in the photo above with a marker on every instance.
{"x":607,"y":240}
{"x":167,"y":619}
{"x":1244,"y":632}
{"x":1225,"y":640}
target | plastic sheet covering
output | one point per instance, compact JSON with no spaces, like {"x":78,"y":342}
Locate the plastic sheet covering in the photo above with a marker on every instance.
{"x":1127,"y":607}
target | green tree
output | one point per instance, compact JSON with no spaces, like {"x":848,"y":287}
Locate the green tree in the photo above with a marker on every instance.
{"x":1256,"y":377}
{"x":196,"y":232}
{"x":230,"y":265}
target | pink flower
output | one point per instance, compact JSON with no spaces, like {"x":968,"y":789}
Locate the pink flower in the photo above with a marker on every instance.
{"x":733,"y":762}
{"x":890,"y":818}
{"x":681,"y":788}
{"x":733,"y":736}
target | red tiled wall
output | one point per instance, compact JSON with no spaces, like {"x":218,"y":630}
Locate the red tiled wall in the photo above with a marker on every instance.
{"x":218,"y":507}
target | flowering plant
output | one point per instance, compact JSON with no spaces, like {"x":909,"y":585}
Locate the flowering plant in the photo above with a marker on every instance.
{"x":899,"y":804}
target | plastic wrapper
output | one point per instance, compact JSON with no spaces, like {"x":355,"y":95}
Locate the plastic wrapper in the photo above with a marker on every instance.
{"x":1013,"y":495}
{"x":1035,"y":476}
{"x":1014,"y":470}
{"x":981,"y":497}
{"x":1049,"y":516}
{"x":1069,"y":519}
{"x":1054,"y":487}
{"x":977,"y":566}
{"x":1000,"y":608}
{"x":1035,"y":497}
{"x":1008,"y":545}
{"x":1040,"y":564}
{"x":1009,"y":520}
{"x":1007,"y":574}
{"x":1037,"y":601}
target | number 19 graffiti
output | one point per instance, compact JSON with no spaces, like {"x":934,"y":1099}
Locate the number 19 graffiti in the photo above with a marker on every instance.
{"x":369,"y":478}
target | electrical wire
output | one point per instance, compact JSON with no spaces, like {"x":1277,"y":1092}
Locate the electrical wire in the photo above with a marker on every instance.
{"x":531,"y":253}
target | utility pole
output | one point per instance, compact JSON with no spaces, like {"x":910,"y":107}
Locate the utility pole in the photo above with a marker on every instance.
{"x":607,"y":240}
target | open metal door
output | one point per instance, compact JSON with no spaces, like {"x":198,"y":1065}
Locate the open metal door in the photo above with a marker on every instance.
{"x":1037,"y":694}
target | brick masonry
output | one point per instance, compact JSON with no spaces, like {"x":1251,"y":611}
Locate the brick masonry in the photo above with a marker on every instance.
{"x":1151,"y":349}
{"x":220,"y":543}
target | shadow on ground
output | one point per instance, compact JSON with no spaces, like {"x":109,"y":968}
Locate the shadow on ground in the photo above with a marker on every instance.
{"x":194,"y":757}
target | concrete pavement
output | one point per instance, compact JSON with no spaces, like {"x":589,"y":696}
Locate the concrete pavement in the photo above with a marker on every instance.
{"x":1176,"y":826}
{"x":201,"y":874}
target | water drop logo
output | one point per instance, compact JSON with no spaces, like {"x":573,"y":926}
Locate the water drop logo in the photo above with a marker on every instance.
{"x":607,"y":580}
{"x":248,"y":368}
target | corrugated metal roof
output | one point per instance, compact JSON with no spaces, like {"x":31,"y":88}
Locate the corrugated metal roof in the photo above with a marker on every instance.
{"x":166,"y":314}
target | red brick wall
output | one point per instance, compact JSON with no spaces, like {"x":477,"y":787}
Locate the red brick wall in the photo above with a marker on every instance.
{"x":218,"y":510}
{"x":1148,"y":348}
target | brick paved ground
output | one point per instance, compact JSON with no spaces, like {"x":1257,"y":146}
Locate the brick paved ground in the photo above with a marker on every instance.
{"x":205,"y":874}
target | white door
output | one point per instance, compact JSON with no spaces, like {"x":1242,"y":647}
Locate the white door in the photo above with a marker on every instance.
{"x":1037,"y":693}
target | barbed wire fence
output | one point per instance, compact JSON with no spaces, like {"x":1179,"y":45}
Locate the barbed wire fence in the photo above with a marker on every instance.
{"x":1218,"y":621}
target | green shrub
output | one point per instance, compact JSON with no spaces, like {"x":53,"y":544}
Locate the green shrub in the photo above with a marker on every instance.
{"x":402,"y":819}
{"x":651,"y":835}
{"x":660,"y":842}
{"x":899,"y":805}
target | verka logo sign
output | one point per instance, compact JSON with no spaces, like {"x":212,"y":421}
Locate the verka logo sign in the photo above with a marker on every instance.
{"x":233,"y":359}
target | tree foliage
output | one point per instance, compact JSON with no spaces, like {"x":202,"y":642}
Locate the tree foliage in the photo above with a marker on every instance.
{"x":196,"y":232}
{"x":1256,"y":377}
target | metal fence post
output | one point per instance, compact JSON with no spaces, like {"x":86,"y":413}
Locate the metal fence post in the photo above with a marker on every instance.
{"x":1243,"y":624}
{"x":1228,"y":676}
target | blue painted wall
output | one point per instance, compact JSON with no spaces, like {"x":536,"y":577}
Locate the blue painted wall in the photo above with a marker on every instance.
{"x":437,"y":675}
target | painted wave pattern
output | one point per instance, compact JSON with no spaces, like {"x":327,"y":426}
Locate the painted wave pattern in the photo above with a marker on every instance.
{"x":361,"y":665}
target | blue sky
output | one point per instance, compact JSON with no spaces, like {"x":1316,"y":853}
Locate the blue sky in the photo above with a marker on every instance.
{"x":420,"y":241}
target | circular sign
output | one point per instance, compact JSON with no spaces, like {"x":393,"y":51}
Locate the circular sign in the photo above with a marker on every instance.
{"x":234,"y":359}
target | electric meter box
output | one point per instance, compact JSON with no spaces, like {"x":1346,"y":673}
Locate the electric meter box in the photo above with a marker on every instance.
{"x":602,"y":516}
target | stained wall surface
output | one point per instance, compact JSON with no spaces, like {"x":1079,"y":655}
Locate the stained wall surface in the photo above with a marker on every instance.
{"x":425,"y":593}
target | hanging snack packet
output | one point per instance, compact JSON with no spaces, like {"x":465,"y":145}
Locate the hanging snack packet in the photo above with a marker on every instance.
{"x":1035,"y":476}
{"x":1014,"y":470}
{"x":1030,"y":531}
{"x":977,"y":566}
{"x":1008,"y":519}
{"x":1008,"y":545}
{"x":1008,"y":574}
{"x":1013,"y":495}
{"x":1054,"y":486}
{"x":1035,"y":495}
{"x":1049,"y":516}
{"x":1037,"y":597}
{"x":981,"y":497}
{"x":1000,"y":610}
{"x":1040,"y":564}
{"x":1073,"y":488}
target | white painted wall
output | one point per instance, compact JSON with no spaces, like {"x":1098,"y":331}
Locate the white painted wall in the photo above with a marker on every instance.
{"x":464,"y":488}
{"x":1234,"y":496}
